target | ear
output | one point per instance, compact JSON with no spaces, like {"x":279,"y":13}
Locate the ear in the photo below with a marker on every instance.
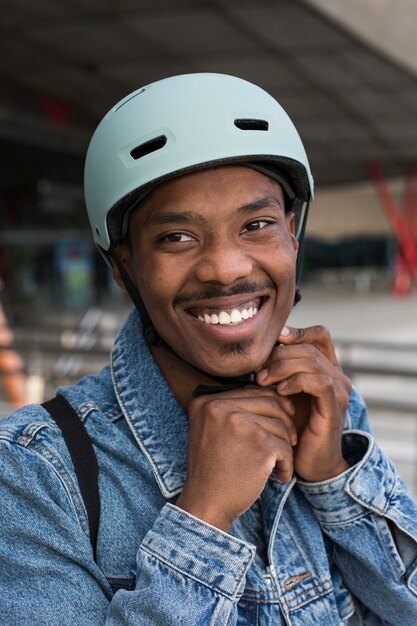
{"x":125,"y":255}
{"x":290,"y":219}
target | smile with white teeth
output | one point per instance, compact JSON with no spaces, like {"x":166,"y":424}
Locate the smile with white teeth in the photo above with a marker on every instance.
{"x":232,"y":317}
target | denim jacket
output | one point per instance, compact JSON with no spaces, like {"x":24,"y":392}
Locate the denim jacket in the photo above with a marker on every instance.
{"x":342,"y":551}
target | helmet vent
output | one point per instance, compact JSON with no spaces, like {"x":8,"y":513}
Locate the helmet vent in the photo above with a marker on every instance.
{"x":148,"y":147}
{"x":252,"y":124}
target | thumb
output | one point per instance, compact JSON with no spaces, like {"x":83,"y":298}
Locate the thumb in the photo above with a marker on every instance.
{"x":317,"y":336}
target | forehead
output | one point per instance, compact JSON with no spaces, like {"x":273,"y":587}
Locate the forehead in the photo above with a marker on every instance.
{"x":209,"y":193}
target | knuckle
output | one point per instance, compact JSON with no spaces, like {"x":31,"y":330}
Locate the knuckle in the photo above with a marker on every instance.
{"x":236,"y":421}
{"x":285,"y":451}
{"x":278,"y":350}
{"x":347,"y":384}
{"x":323,"y":331}
{"x":300,"y":333}
{"x":271,"y":401}
{"x":316,"y":362}
{"x":312,"y":350}
{"x":280,"y":426}
{"x":262,"y":438}
{"x":217,"y":406}
{"x":328,"y":383}
{"x":344,"y":401}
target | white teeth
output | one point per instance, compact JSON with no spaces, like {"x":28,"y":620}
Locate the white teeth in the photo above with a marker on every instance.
{"x":224,"y":318}
{"x":235,"y":316}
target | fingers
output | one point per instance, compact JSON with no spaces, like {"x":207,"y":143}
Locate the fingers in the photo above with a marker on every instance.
{"x":313,"y":375}
{"x":317,"y":336}
{"x":284,"y":467}
{"x":257,"y":416}
{"x":263,"y":400}
{"x":321,"y":386}
{"x":274,"y":439}
{"x":286,"y":361}
{"x":264,"y":406}
{"x":282,"y":428}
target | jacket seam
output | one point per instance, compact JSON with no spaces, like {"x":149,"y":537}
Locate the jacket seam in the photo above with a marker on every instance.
{"x":320,"y":592}
{"x":25,"y":438}
{"x":173,"y":566}
{"x":350,"y":520}
{"x":217,"y":617}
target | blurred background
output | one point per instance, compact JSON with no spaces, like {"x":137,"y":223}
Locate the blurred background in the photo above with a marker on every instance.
{"x":346,"y":72}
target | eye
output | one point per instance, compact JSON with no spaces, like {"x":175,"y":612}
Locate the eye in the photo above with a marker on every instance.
{"x":176,"y":238}
{"x":256,"y":225}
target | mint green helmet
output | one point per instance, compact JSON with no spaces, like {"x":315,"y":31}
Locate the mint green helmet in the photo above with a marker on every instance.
{"x":181,"y":124}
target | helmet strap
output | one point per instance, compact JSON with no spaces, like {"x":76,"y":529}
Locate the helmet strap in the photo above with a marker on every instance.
{"x":151,"y":336}
{"x":300,"y":239}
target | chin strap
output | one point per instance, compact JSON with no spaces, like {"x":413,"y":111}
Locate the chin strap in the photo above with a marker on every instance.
{"x":225,"y":383}
{"x":151,"y":336}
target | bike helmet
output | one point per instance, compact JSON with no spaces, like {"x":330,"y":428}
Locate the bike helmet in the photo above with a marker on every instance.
{"x":184,"y":123}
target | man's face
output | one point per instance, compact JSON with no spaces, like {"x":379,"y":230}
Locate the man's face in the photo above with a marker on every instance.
{"x":213,"y":255}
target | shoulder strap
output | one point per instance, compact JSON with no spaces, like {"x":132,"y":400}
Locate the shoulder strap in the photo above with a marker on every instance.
{"x":83,"y":457}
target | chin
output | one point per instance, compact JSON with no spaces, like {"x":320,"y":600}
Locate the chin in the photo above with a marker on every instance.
{"x":235,"y":358}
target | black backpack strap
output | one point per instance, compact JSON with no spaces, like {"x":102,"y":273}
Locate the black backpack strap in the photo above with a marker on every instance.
{"x":83,"y":457}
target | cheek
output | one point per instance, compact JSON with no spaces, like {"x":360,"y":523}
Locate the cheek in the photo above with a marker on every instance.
{"x":151,"y":287}
{"x":282,"y":262}
{"x":155,"y":281}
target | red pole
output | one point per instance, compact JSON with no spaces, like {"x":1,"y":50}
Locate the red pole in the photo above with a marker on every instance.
{"x":407,"y":243}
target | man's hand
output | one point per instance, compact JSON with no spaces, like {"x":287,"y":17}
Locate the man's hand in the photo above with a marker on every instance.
{"x":305,"y":369}
{"x":237,"y":439}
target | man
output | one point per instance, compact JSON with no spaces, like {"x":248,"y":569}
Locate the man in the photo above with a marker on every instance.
{"x":239,"y":483}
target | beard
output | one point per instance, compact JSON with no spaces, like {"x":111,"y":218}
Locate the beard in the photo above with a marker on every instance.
{"x":239,"y":349}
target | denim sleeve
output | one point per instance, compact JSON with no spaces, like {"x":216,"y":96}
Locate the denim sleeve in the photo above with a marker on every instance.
{"x":371,"y":518}
{"x":188,"y":572}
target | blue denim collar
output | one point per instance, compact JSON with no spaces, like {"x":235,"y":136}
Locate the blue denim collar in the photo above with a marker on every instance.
{"x":156,"y":419}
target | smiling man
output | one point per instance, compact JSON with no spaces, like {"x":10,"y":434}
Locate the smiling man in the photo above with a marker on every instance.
{"x":239,"y":483}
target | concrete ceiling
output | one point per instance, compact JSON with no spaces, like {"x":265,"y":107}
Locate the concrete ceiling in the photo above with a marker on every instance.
{"x":387,"y":25}
{"x":63,"y":64}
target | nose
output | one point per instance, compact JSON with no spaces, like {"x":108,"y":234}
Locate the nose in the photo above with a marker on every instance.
{"x":223,"y":263}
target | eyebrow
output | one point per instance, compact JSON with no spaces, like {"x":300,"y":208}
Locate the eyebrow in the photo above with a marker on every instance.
{"x":178,"y":217}
{"x":173,"y":217}
{"x":262,"y":203}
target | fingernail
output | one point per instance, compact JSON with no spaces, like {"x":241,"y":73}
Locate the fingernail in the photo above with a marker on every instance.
{"x":262,"y":375}
{"x":282,"y":385}
{"x":285,"y":332}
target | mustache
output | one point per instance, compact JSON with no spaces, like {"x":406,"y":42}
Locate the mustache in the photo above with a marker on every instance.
{"x":248,"y":287}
